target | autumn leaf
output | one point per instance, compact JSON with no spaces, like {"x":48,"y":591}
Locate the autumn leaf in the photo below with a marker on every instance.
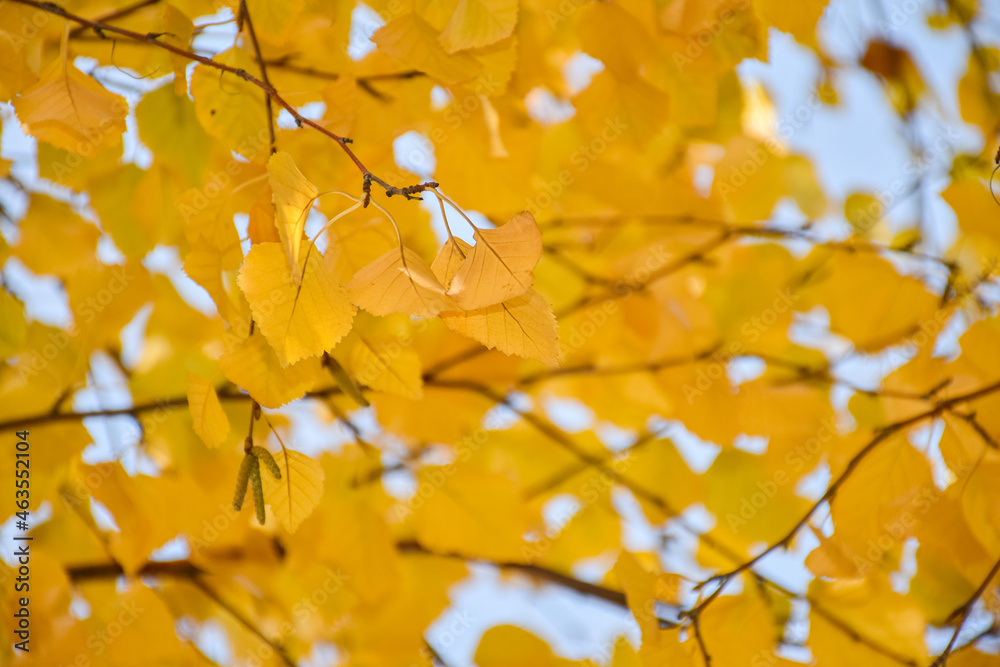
{"x":398,"y":282}
{"x":500,"y":265}
{"x":296,"y":493}
{"x":210,"y":421}
{"x":232,"y":111}
{"x":299,"y":319}
{"x":253,"y":365}
{"x":414,"y":42}
{"x":478,"y":23}
{"x":522,"y":326}
{"x":678,"y":335}
{"x":70,"y":110}
{"x":293,"y":196}
{"x":396,"y":371}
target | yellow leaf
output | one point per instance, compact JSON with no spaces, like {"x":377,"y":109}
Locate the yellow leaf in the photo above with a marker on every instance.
{"x":21,"y":44}
{"x":398,"y":283}
{"x":230,"y":109}
{"x":293,"y":196}
{"x":869,"y":302}
{"x":13,"y":327}
{"x":179,"y":29}
{"x":879,"y":614}
{"x":72,"y":111}
{"x":293,"y":497}
{"x":500,"y":265}
{"x":49,"y":218}
{"x":470,"y":511}
{"x":882,"y":503}
{"x":739,"y":628}
{"x":262,"y":228}
{"x":413,"y":41}
{"x":273,"y":20}
{"x":478,"y":23}
{"x":253,"y":365}
{"x":798,"y":19}
{"x":863,"y":211}
{"x":205,"y":265}
{"x":168,"y":126}
{"x":301,"y":320}
{"x":523,"y":326}
{"x":210,"y":421}
{"x":449,"y":259}
{"x":504,"y":645}
{"x":831,"y":559}
{"x":643,"y":589}
{"x":395,"y":369}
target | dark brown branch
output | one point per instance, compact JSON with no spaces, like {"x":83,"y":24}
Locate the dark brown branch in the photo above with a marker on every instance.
{"x":245,"y":15}
{"x":535,"y":571}
{"x":696,"y":627}
{"x":752,"y":230}
{"x":197,"y":582}
{"x":181,"y":569}
{"x":120,"y":13}
{"x":963,"y":614}
{"x":835,"y":486}
{"x":154,"y":39}
{"x":626,"y":287}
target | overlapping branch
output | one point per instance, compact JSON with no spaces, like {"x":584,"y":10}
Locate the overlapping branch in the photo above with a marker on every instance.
{"x":102,"y":29}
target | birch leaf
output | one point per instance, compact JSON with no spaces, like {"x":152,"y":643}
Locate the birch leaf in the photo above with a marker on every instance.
{"x":500,"y":265}
{"x":210,"y":421}
{"x":396,"y":283}
{"x":293,"y":497}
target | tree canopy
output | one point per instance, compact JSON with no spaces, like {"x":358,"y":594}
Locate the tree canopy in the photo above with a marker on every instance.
{"x":343,"y":333}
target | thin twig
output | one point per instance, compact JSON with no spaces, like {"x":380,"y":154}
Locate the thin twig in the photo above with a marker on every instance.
{"x":245,"y":14}
{"x":154,"y":38}
{"x":963,"y":614}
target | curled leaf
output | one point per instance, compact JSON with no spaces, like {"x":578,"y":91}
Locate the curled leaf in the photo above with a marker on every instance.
{"x":399,"y":283}
{"x":500,"y":265}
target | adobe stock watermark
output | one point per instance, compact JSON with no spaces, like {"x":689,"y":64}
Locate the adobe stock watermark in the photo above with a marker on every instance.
{"x":581,"y":158}
{"x":77,"y":491}
{"x":897,"y":14}
{"x":588,"y":493}
{"x":795,"y":460}
{"x":88,"y":145}
{"x":303,"y":608}
{"x":100,"y":640}
{"x":902,"y":525}
{"x":707,"y":33}
{"x":926,"y":333}
{"x":577,"y":336}
{"x":756,"y":157}
{"x":26,"y":30}
{"x":913,"y":169}
{"x":195,"y":201}
{"x":35,"y":362}
{"x":755,"y":327}
{"x":437,"y":476}
{"x":455,"y":114}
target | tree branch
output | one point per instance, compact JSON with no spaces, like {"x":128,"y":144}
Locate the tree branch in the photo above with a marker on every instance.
{"x":116,"y":14}
{"x":152,"y":38}
{"x":831,"y":490}
{"x":963,"y":614}
{"x":245,"y":15}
